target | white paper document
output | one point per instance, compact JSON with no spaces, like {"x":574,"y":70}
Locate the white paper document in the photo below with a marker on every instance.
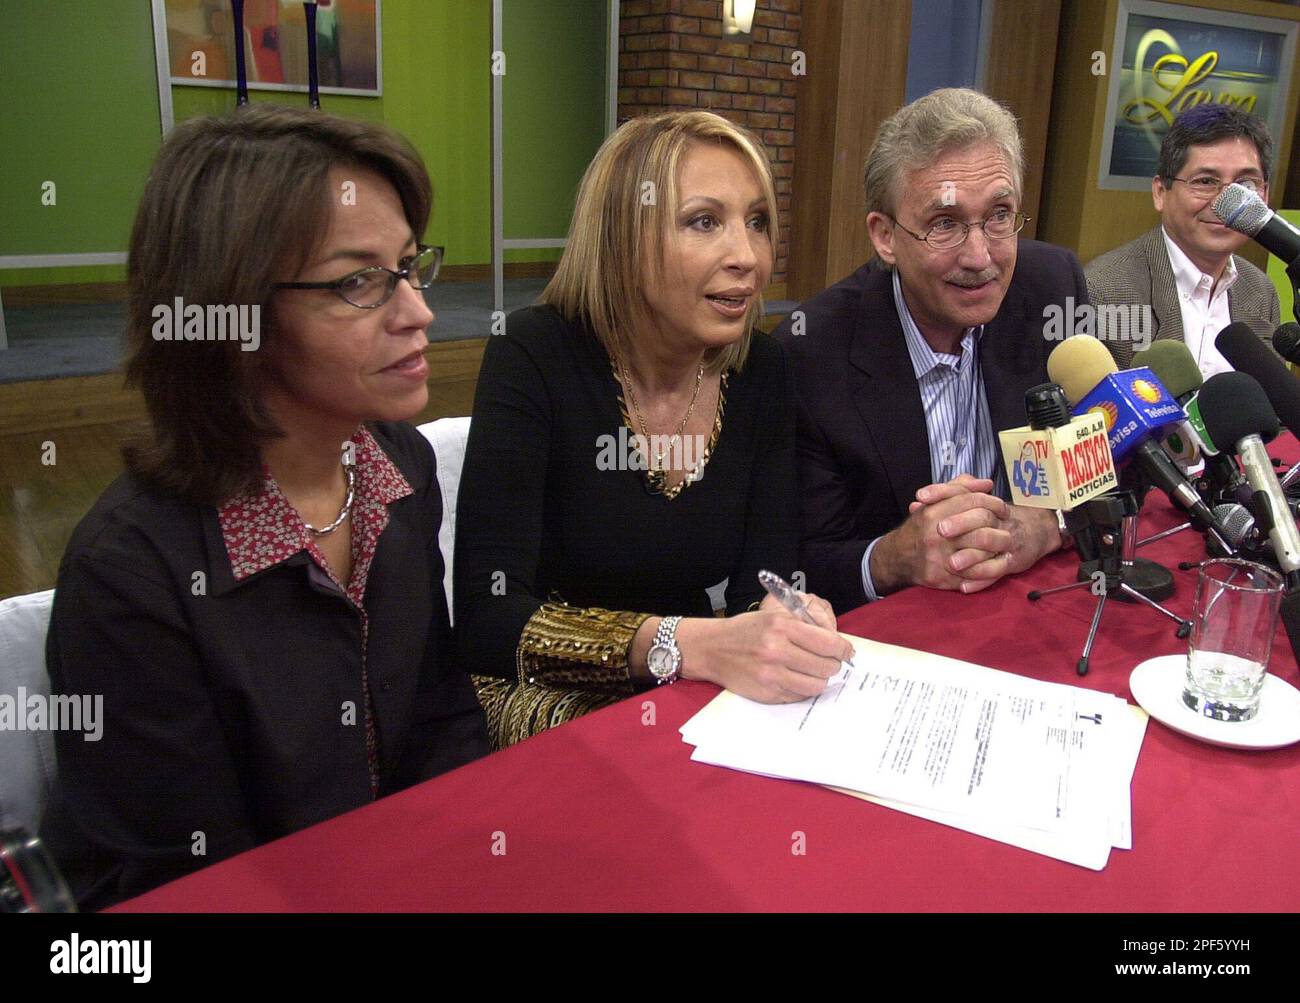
{"x":1044,"y":766}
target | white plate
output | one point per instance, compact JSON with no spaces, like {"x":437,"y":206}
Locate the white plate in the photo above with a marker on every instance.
{"x":1157,"y":685}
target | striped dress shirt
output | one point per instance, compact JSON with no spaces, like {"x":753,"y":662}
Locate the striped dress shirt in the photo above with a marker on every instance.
{"x":957,"y":422}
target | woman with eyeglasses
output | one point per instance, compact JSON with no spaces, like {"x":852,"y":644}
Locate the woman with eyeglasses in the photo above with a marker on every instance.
{"x":258,"y":600}
{"x":630,"y":467}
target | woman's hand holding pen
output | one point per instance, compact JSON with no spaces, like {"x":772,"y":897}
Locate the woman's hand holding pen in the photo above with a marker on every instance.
{"x":768,"y":655}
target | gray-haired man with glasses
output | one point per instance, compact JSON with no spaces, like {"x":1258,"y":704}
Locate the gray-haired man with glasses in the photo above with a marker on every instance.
{"x":907,"y":369}
{"x":1185,"y":270}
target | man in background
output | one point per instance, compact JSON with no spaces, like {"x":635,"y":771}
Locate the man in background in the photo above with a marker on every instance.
{"x":1184,"y":270}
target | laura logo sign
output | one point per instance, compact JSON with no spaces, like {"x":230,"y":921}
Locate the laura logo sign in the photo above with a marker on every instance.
{"x":1169,"y":58}
{"x":1173,"y":83}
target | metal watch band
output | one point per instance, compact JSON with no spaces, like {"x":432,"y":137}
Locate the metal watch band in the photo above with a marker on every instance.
{"x":666,"y":640}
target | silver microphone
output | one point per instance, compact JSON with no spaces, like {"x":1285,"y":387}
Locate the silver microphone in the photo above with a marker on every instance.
{"x":1244,"y":211}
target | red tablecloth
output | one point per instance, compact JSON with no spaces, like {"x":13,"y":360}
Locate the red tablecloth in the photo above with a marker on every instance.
{"x":609,"y":813}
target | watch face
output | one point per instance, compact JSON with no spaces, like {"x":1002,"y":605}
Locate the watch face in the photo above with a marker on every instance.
{"x":661,"y":661}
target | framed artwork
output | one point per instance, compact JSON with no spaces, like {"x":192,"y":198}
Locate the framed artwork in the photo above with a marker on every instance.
{"x":1169,"y":57}
{"x":200,"y":42}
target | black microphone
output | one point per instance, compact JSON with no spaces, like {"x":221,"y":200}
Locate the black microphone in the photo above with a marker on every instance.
{"x":1236,"y":410}
{"x":1244,"y":211}
{"x":1286,"y":342}
{"x":1239,"y":412}
{"x":1248,"y":354}
{"x":1046,"y":406}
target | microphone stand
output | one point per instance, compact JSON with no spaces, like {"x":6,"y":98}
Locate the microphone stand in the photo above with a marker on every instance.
{"x":1107,"y":528}
{"x":313,"y":82}
{"x":241,"y":71}
{"x":1161,"y":536}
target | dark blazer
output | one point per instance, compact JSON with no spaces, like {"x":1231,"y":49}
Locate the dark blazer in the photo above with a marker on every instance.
{"x":1140,"y":273}
{"x":862,"y":447}
{"x":224,"y":713}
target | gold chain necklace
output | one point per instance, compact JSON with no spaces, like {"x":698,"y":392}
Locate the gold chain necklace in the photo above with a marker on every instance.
{"x":636,"y":409}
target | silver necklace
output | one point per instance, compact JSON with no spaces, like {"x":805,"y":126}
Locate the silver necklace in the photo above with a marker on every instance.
{"x":345,"y":511}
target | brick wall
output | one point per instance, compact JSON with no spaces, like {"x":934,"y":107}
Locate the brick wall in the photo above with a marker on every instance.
{"x":672,"y":54}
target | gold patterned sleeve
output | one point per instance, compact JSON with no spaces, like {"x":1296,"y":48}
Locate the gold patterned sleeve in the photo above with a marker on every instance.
{"x":569,"y":647}
{"x":571,"y":661}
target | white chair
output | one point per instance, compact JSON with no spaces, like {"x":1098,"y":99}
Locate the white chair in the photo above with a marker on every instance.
{"x":27,"y":759}
{"x":447,"y":436}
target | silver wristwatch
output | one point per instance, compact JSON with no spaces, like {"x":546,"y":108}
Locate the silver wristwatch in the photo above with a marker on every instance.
{"x":665,"y":658}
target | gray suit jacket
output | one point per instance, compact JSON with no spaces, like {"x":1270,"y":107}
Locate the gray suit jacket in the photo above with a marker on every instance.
{"x":1139,"y":273}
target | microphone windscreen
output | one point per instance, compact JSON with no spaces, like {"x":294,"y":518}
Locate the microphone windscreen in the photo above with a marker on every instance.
{"x":1236,"y":520}
{"x":1241,"y":209}
{"x":1233,"y":406}
{"x":1242,"y":347}
{"x":1078,"y":364}
{"x":1286,"y":342}
{"x":1046,"y":406}
{"x":1173,"y":365}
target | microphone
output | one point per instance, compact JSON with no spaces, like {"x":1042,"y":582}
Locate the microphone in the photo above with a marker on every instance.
{"x":1236,"y":410}
{"x":1174,"y":367}
{"x":1286,"y":342}
{"x":1239,"y":523}
{"x":1056,"y":461}
{"x":1138,"y":410}
{"x":1247,"y":213}
{"x":1078,"y":364}
{"x":1248,"y":354}
{"x":1245,"y":534}
{"x":1177,"y":370}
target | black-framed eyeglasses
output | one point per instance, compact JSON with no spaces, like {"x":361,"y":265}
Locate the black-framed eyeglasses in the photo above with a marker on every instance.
{"x":372,"y":287}
{"x":1207,"y":186}
{"x":949,"y":233}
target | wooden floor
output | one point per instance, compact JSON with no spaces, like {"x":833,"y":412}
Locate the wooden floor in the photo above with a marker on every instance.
{"x":79,"y":424}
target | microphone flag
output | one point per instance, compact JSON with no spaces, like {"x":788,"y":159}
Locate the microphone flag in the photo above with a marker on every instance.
{"x":1059,"y":468}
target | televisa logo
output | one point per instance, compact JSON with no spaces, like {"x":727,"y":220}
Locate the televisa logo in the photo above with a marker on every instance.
{"x":102,"y":957}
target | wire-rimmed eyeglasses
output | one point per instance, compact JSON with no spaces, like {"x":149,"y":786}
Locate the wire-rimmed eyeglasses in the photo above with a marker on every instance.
{"x":949,"y":233}
{"x":372,"y":287}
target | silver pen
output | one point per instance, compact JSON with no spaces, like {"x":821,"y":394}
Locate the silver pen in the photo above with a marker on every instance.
{"x":784,"y":593}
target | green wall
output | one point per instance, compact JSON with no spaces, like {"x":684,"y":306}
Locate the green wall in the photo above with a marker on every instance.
{"x":1277,"y":272}
{"x":436,"y":86}
{"x":80,"y":110}
{"x":548,"y":137}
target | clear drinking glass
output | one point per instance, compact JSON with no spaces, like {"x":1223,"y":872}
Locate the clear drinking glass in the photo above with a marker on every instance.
{"x":1233,"y":623}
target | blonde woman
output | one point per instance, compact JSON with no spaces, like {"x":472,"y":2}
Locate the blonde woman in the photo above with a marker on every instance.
{"x":630,"y":466}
